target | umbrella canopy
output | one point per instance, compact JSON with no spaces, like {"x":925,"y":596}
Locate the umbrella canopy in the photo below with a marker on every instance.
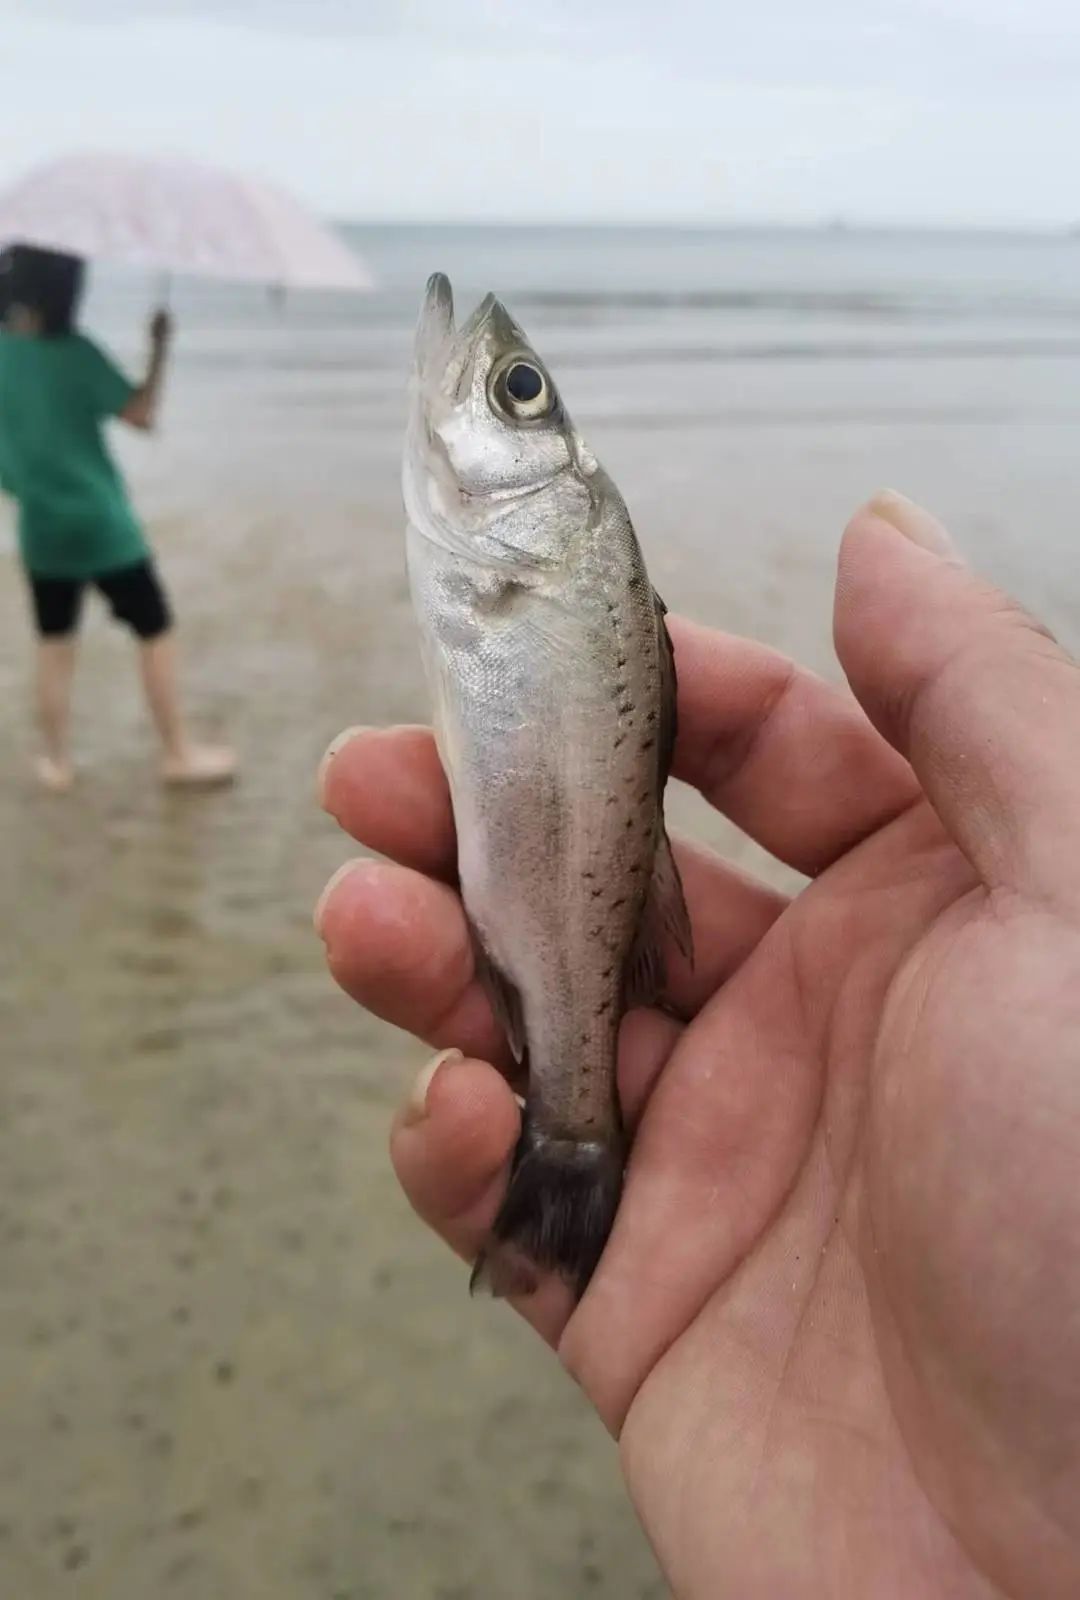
{"x":176,"y":216}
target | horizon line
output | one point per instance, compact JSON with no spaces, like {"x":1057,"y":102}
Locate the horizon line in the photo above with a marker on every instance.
{"x":833,"y":225}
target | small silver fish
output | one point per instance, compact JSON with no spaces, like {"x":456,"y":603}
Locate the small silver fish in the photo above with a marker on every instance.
{"x":554,"y":695}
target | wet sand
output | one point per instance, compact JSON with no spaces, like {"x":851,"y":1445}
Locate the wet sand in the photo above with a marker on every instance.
{"x":233,"y":1366}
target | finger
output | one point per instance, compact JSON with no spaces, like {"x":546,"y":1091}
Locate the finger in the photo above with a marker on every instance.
{"x":972,"y":690}
{"x":451,"y":1146}
{"x":646,"y":1040}
{"x":399,"y":943}
{"x":386,"y":787}
{"x":453,"y":1139}
{"x":791,"y":760}
{"x":453,"y":1142}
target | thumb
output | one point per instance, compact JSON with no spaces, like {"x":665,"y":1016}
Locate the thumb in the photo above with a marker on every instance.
{"x":974,"y":692}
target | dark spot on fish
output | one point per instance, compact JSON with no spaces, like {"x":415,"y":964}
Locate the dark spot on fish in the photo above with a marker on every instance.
{"x":629,"y":822}
{"x":620,"y":740}
{"x":588,"y":875}
{"x":605,"y":1005}
{"x":621,"y":901}
{"x":594,"y":933}
{"x":584,"y":1038}
{"x":651,"y":717}
{"x":594,"y":894}
{"x":647,"y":744}
{"x":626,"y":708}
{"x":620,"y":688}
{"x":621,"y":662}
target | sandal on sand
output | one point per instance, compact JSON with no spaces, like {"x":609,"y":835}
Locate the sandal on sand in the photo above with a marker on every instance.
{"x":202,"y":766}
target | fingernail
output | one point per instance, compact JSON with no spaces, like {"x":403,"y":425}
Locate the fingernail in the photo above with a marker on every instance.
{"x":323,"y":900}
{"x":912,"y":521}
{"x":332,"y":749}
{"x":416,"y":1104}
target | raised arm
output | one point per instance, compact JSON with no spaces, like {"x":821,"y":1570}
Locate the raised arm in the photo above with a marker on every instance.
{"x":141,"y":410}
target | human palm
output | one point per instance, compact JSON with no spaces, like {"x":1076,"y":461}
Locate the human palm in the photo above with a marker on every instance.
{"x":837,"y":1326}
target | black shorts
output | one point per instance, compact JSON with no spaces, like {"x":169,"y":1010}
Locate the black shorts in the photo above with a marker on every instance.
{"x":134,"y":594}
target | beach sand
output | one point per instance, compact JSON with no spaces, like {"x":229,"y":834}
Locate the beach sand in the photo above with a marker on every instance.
{"x":233,"y":1365}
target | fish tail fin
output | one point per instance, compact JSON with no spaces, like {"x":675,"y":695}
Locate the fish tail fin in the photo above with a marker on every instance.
{"x":556,"y":1215}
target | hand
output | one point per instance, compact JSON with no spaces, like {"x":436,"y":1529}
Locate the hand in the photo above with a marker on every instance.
{"x":837,"y":1325}
{"x":161,"y":327}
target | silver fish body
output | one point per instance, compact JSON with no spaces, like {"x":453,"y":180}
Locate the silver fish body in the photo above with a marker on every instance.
{"x":553,"y":687}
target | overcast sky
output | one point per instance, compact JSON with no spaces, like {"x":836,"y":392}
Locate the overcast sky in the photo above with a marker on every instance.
{"x":937,"y":111}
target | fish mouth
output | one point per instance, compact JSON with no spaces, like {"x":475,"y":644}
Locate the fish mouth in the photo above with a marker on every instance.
{"x":444,"y":354}
{"x":435,"y":329}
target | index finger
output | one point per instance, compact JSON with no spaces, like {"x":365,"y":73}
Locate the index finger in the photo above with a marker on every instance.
{"x":790,"y":759}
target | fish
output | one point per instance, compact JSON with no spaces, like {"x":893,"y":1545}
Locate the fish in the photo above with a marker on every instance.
{"x":553,"y":686}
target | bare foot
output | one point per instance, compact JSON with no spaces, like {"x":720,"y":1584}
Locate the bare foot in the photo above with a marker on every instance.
{"x":200,"y":766}
{"x":55,"y":776}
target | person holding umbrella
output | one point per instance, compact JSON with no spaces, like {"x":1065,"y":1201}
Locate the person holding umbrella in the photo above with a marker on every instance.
{"x":76,"y":524}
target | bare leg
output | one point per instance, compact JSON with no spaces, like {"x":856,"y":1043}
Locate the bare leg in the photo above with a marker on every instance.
{"x":55,"y":669}
{"x":184,"y":761}
{"x":157,"y":663}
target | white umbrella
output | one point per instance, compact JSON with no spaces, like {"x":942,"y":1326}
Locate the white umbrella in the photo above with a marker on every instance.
{"x":175,"y":216}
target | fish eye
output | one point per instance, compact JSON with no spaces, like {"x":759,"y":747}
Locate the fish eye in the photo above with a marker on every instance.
{"x":522,"y":390}
{"x":523,"y":382}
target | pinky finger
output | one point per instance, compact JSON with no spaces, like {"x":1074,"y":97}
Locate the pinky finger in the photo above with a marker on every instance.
{"x":451,"y":1146}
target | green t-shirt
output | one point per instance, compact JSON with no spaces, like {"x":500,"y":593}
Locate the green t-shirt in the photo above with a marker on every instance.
{"x":75,"y":520}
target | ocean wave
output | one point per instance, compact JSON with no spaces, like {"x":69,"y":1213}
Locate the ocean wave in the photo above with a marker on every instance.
{"x":832,"y":350}
{"x":805,"y":301}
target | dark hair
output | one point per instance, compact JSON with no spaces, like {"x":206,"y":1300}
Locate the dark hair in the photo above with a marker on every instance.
{"x":44,"y":281}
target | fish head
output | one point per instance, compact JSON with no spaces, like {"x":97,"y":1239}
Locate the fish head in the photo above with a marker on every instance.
{"x":487,"y":425}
